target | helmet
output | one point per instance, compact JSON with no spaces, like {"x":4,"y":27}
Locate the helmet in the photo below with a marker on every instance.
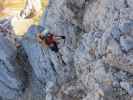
{"x":45,"y":32}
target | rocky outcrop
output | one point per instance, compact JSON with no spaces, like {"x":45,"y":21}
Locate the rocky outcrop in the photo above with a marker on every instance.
{"x":102,"y":66}
{"x":103,"y":55}
{"x":97,"y":53}
{"x":98,"y":15}
{"x":46,"y":64}
{"x":12,"y":79}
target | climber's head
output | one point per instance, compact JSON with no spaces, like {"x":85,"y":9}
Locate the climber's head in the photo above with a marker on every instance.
{"x":45,"y":32}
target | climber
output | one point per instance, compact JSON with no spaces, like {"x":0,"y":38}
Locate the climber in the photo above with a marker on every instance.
{"x":45,"y":38}
{"x":50,"y":40}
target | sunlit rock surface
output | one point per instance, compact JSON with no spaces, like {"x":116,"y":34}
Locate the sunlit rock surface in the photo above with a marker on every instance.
{"x":20,"y":25}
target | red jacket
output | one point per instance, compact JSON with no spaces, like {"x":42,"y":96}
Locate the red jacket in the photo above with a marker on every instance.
{"x":50,"y":39}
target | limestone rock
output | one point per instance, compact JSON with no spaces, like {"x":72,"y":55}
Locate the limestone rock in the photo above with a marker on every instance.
{"x":97,"y":57}
{"x":11,"y":85}
{"x":98,"y":52}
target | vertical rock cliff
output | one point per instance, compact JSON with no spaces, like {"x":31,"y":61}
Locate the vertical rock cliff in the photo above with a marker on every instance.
{"x":98,"y":54}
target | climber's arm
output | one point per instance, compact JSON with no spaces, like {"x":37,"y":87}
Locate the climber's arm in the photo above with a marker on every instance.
{"x":41,"y":39}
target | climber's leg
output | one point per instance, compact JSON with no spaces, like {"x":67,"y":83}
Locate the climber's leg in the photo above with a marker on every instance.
{"x":54,"y":47}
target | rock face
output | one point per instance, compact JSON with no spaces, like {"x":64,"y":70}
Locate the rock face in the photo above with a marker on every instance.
{"x":100,"y":67}
{"x":103,"y":59}
{"x":98,"y":53}
{"x":11,"y":78}
{"x":98,"y":15}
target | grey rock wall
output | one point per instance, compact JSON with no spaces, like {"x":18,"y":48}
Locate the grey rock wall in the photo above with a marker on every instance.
{"x":98,"y":54}
{"x":104,"y":54}
{"x":98,"y":15}
{"x":12,"y":81}
{"x":103,"y":68}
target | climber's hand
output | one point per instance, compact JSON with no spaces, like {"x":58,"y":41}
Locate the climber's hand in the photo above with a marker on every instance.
{"x":41,"y":40}
{"x":18,"y":45}
{"x":39,"y":37}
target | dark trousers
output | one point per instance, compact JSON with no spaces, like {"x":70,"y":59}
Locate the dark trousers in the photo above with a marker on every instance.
{"x":54,"y":47}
